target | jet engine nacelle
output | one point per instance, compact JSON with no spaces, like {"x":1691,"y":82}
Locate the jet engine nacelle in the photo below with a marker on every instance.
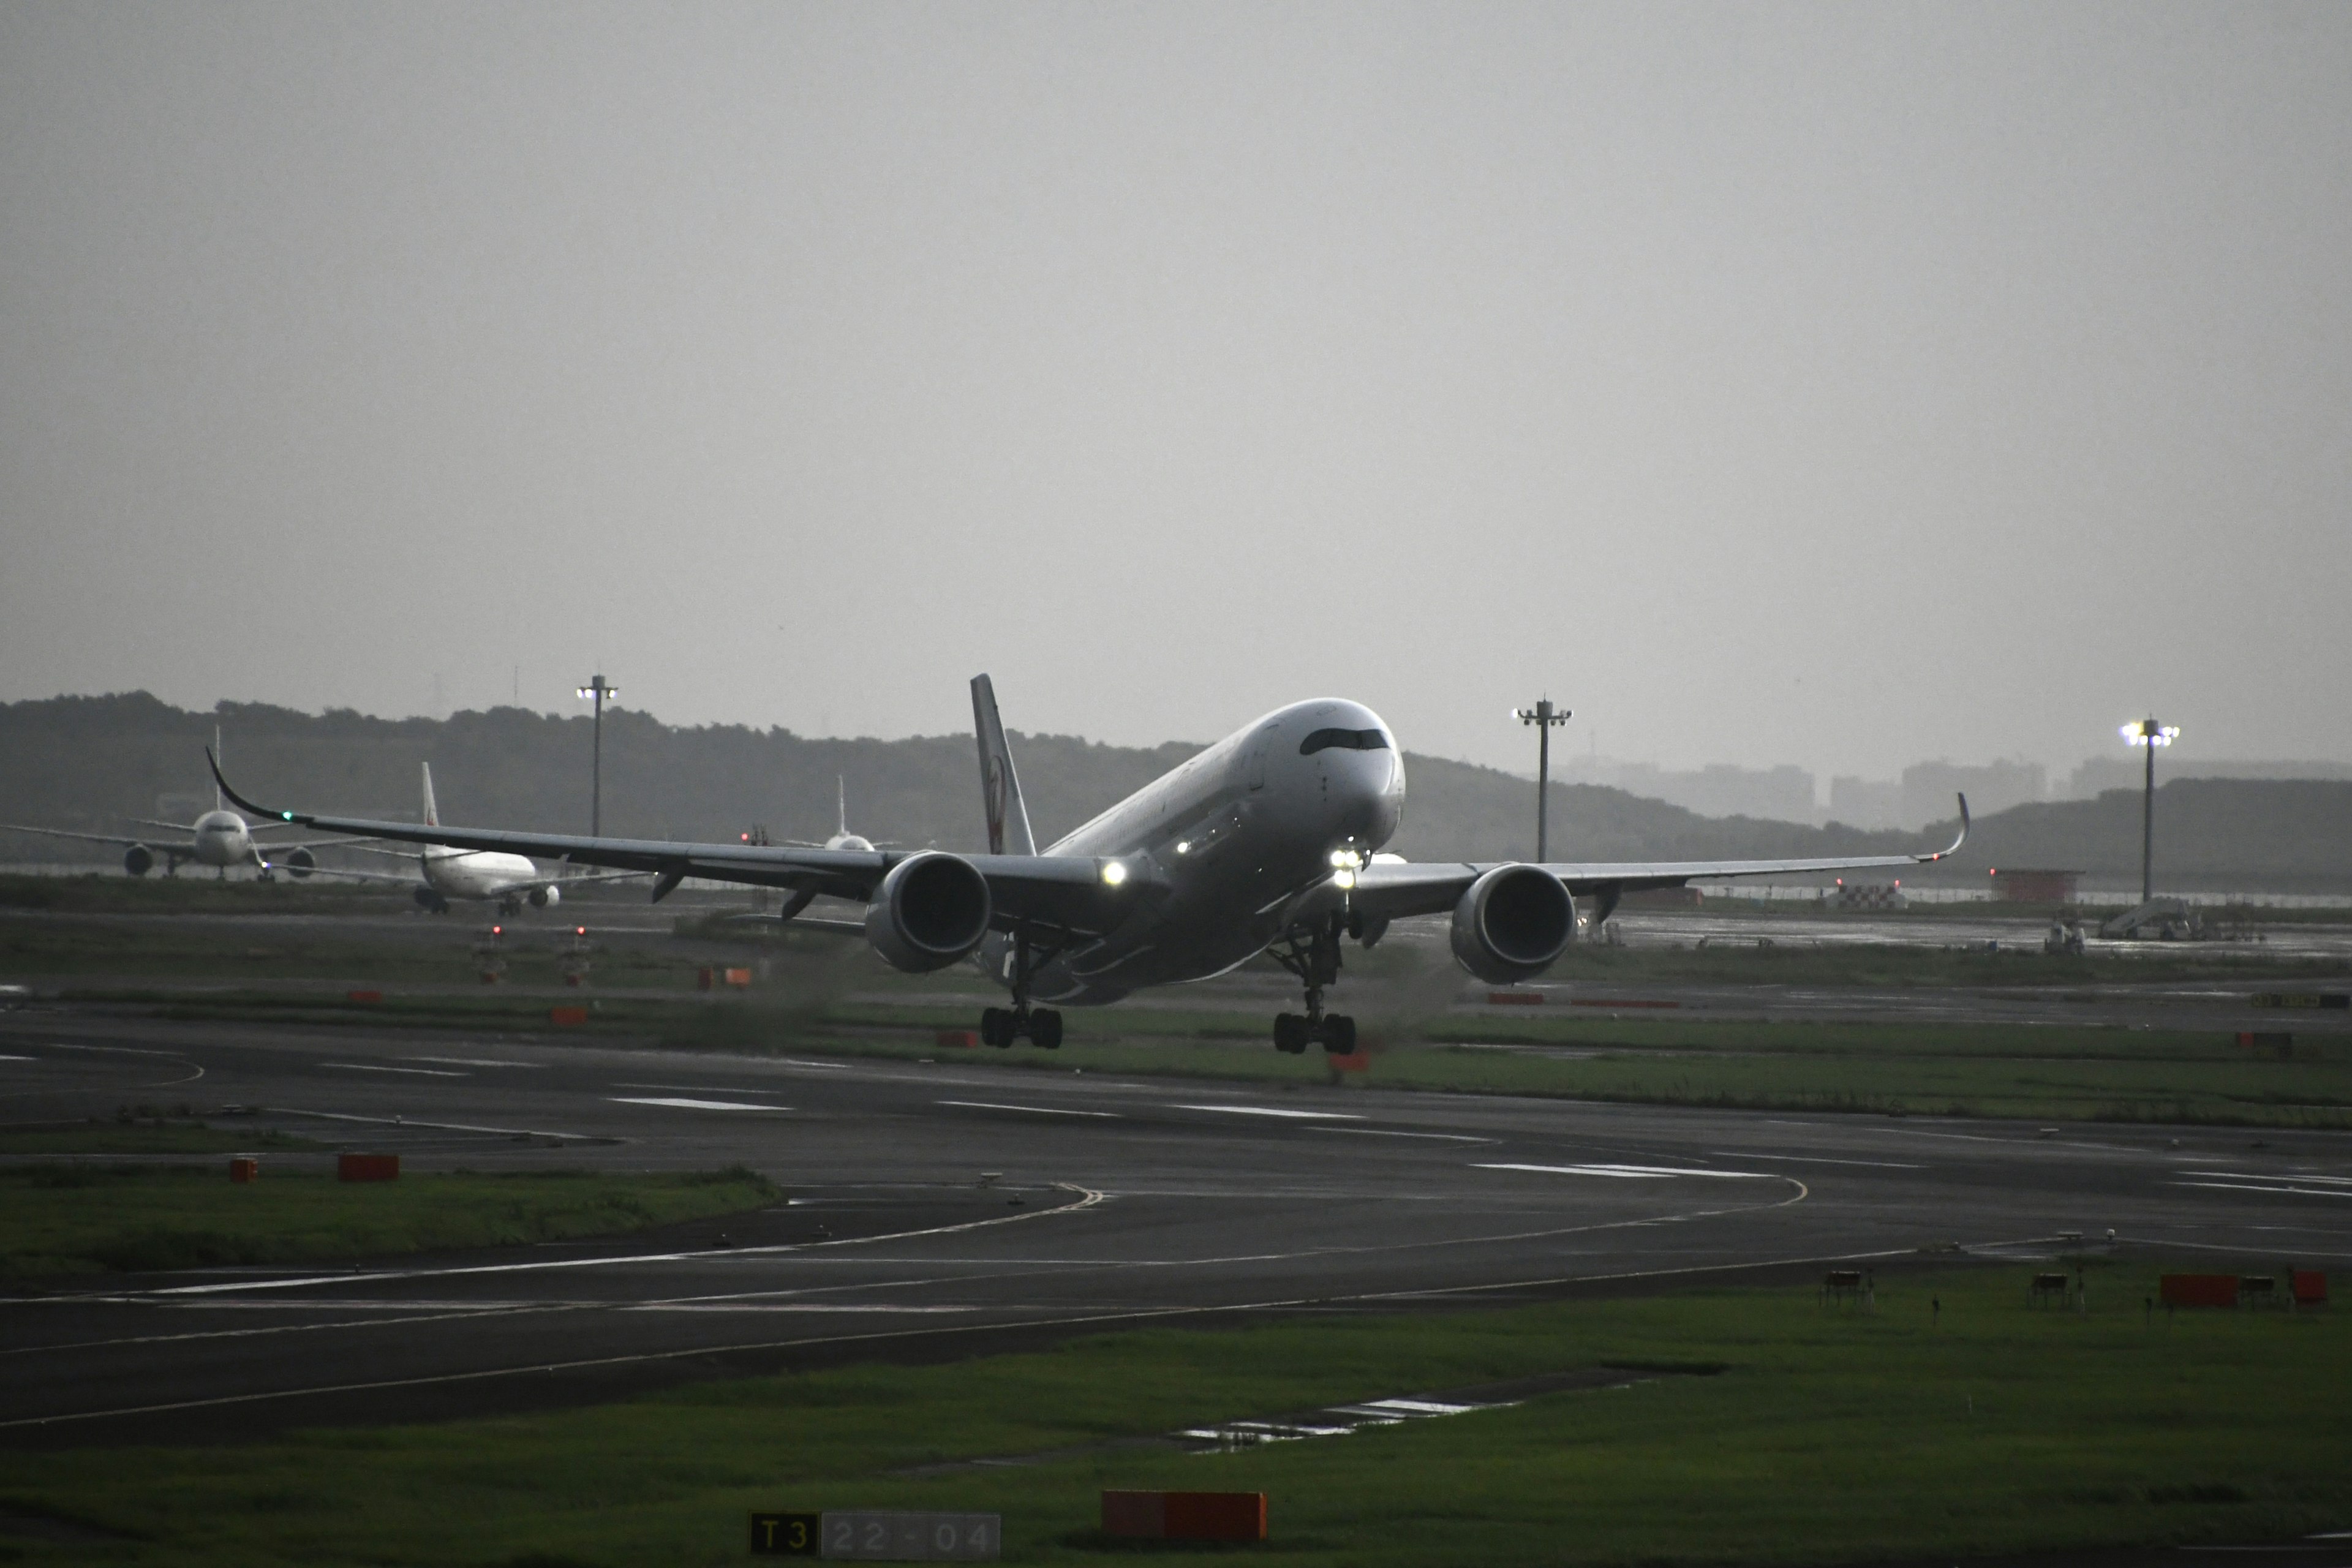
{"x":301,"y":863}
{"x":1512,"y":923}
{"x":930,"y":911}
{"x":546,"y":898}
{"x":140,"y":860}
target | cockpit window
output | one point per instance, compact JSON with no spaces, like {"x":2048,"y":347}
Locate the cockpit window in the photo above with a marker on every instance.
{"x":1352,"y":740}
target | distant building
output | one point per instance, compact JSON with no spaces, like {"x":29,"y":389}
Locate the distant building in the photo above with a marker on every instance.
{"x":2035,"y":886}
{"x":1866,"y":803}
{"x":1928,"y":789}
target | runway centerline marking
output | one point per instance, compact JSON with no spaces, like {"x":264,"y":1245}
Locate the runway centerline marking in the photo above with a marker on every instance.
{"x":1815,"y":1160}
{"x":1274,"y":1110}
{"x":682,"y":1104}
{"x":432,"y":1126}
{"x":2272,"y":1176}
{"x":1640,"y":1172}
{"x":4,"y":1058}
{"x":1031,"y":1110}
{"x":478,"y":1062}
{"x":371,"y":1067}
{"x":698,"y":1088}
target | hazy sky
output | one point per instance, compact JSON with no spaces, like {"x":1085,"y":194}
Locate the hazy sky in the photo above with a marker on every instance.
{"x":1841,"y":385}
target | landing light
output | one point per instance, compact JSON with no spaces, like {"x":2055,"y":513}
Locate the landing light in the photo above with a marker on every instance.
{"x":1113,"y":873}
{"x":1345,"y":880}
{"x":1346,"y":860}
{"x":1184,"y":847}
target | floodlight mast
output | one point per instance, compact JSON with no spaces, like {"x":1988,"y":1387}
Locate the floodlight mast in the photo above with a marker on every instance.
{"x":597,"y":689}
{"x":1543,"y":716}
{"x":2148,"y":735}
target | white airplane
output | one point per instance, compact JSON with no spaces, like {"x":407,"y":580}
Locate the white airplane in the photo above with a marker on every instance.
{"x":479,"y":876}
{"x":218,"y":838}
{"x":1266,"y":842}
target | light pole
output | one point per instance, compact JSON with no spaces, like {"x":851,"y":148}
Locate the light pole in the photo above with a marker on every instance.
{"x":2148,"y":734}
{"x":1543,"y":716}
{"x":597,"y":689}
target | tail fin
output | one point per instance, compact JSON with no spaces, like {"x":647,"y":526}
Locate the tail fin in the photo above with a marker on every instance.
{"x":432,"y":814}
{"x":841,"y":805}
{"x":1000,"y":784}
{"x":218,"y":804}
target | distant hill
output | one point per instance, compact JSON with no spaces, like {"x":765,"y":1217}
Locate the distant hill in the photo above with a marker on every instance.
{"x":94,"y":763}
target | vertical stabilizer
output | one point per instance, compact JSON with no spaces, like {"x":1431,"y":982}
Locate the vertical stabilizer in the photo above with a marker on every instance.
{"x":432,"y":814}
{"x":841,"y":805}
{"x":1000,"y":784}
{"x":218,"y":803}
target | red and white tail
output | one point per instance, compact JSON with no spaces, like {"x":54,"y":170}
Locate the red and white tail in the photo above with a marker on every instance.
{"x":999,"y":782}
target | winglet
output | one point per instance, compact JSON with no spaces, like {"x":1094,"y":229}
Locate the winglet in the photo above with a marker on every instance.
{"x":1954,"y":847}
{"x":230,"y":790}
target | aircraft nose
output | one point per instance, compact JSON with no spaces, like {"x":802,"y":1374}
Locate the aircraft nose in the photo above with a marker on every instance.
{"x":1365,"y":794}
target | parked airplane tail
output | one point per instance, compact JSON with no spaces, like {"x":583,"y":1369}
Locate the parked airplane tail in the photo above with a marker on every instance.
{"x":999,"y":782}
{"x":432,"y":815}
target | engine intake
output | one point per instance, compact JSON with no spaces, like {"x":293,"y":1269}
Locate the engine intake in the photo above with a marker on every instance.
{"x":138,"y":860}
{"x":300,"y":864}
{"x":931,"y":911}
{"x":545,"y":896}
{"x":1512,"y":923}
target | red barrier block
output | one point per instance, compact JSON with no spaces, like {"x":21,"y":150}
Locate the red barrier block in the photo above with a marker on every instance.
{"x":739,"y":978}
{"x":2197,"y":1289}
{"x":1139,"y":1515}
{"x":367,"y":1168}
{"x":244,"y":1168}
{"x":1354,"y":1061}
{"x":362,"y":995}
{"x":2310,"y":1287}
{"x":959,"y":1040}
{"x":567,"y":1015}
{"x":1216,"y":1516}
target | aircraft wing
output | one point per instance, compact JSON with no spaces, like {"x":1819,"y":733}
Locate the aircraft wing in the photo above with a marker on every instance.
{"x":1388,"y":890}
{"x":1065,"y":893}
{"x":183,"y":846}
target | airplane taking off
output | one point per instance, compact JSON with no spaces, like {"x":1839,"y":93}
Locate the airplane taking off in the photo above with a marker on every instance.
{"x":1265,"y":842}
{"x":218,"y":838}
{"x":476,"y":875}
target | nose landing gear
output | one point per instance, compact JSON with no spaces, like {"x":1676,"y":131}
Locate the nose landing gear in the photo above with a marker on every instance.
{"x":1313,"y":958}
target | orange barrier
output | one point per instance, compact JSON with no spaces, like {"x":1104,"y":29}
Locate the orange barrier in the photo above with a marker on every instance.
{"x":2310,"y":1287}
{"x":2197,"y":1289}
{"x":567,"y":1015}
{"x":739,"y":978}
{"x":1515,"y":998}
{"x":1184,"y":1516}
{"x":242,"y":1168}
{"x":1354,"y":1061}
{"x":958,"y":1039}
{"x":362,"y":995}
{"x":367,"y":1168}
{"x":1618,"y":1001}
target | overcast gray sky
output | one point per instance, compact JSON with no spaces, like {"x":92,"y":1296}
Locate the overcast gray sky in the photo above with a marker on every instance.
{"x":1841,"y":385}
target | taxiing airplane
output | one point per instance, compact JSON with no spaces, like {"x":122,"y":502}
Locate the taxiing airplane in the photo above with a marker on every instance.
{"x":218,"y":838}
{"x":477,"y":876}
{"x":1265,"y":842}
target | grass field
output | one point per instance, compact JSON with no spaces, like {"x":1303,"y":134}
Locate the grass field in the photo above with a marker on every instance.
{"x":1817,"y":1435}
{"x":60,"y":1219}
{"x":148,"y":1130}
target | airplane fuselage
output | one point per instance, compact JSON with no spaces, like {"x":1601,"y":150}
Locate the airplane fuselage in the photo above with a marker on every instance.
{"x":223,"y":838}
{"x":475,"y":873}
{"x":1223,"y":843}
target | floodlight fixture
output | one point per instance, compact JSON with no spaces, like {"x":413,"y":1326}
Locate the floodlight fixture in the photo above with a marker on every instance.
{"x":597,"y":689}
{"x":2149,"y":736}
{"x":1544,"y":717}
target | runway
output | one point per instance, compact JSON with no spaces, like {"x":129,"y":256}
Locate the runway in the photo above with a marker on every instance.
{"x":949,"y":1207}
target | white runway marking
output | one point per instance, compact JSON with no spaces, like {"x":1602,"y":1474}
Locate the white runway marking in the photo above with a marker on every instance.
{"x":2271,"y":1176}
{"x":18,"y":1059}
{"x":371,"y":1067}
{"x":835,"y":1307}
{"x":1815,"y":1160}
{"x":1384,"y":1132}
{"x":680,"y":1104}
{"x":1031,"y":1110}
{"x":700,"y":1087}
{"x":1271,"y":1111}
{"x":475,"y":1062}
{"x":2254,"y":1187}
{"x":1638,"y":1172}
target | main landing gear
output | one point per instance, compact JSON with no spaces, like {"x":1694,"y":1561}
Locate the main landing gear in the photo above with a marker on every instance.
{"x":1000,"y":1026}
{"x":1313,"y":958}
{"x":1041,"y":1026}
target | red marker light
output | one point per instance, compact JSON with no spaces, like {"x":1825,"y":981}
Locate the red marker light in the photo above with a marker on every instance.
{"x":498,"y":931}
{"x":579,"y":930}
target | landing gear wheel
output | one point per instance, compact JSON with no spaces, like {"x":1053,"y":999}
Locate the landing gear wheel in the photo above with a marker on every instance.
{"x":997,"y":1028}
{"x":1045,"y":1029}
{"x":1339,"y":1034}
{"x":1289,"y":1033}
